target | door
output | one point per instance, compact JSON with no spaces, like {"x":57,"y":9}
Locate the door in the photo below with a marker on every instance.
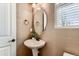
{"x":7,"y":29}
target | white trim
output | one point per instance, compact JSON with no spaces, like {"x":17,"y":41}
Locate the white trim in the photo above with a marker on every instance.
{"x":13,"y":17}
{"x":9,"y":21}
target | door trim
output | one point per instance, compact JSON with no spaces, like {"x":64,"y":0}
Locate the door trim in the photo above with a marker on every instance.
{"x":13,"y":17}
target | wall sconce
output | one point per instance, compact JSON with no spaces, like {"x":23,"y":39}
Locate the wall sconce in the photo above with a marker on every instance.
{"x":26,"y":22}
{"x":36,"y":5}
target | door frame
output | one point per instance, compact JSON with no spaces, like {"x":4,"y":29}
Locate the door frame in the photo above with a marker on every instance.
{"x":13,"y":18}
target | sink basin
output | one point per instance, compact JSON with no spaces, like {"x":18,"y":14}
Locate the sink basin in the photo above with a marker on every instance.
{"x":32,"y":43}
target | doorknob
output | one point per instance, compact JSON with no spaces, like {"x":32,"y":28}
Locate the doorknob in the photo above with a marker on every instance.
{"x":13,"y":40}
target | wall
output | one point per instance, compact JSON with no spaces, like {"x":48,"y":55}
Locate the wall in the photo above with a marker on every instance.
{"x":24,"y":11}
{"x":54,"y":45}
{"x":72,"y":41}
{"x":58,"y":40}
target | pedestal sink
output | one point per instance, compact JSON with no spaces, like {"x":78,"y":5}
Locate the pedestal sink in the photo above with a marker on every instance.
{"x":34,"y":45}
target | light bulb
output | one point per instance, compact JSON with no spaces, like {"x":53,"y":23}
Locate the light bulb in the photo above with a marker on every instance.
{"x":31,"y":30}
{"x":33,"y":5}
{"x":38,"y":8}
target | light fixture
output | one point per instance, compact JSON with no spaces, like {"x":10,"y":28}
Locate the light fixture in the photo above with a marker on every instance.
{"x":36,"y":6}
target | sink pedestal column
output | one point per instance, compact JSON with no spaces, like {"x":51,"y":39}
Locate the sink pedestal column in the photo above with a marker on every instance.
{"x":35,"y":52}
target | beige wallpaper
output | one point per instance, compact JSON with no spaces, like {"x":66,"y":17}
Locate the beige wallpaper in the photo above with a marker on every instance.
{"x":51,"y":36}
{"x":24,"y":11}
{"x":57,"y":40}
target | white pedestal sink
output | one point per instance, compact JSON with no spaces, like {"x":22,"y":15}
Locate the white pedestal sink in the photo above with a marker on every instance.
{"x":34,"y":45}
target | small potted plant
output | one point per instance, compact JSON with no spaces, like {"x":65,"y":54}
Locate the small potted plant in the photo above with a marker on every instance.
{"x":33,"y":34}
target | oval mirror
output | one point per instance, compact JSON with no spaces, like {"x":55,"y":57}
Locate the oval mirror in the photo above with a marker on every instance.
{"x":40,"y":20}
